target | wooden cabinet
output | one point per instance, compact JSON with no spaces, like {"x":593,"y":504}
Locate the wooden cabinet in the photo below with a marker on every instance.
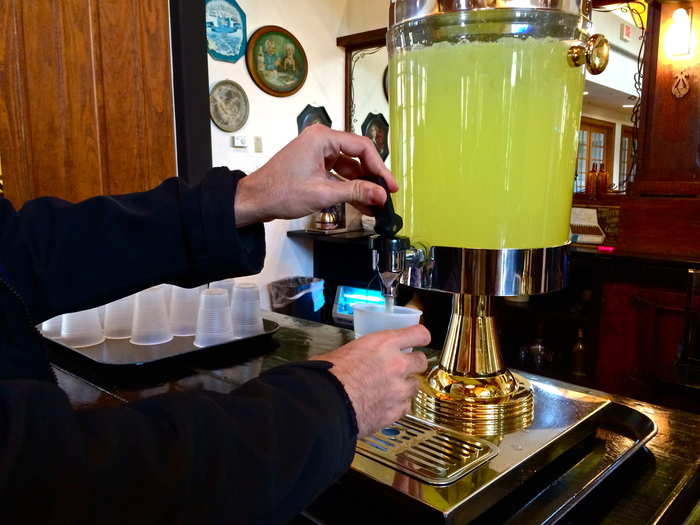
{"x":670,"y":126}
{"x":85,"y":97}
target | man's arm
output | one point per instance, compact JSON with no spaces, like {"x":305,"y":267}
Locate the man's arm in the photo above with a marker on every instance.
{"x":256,"y":456}
{"x":64,"y":257}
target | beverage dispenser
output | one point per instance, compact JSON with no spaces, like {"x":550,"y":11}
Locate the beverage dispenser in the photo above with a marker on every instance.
{"x":486,"y":100}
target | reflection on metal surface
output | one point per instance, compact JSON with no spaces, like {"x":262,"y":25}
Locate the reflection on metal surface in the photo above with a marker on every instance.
{"x":565,"y":417}
{"x":595,"y":54}
{"x":407,"y":10}
{"x":436,"y":455}
{"x":501,"y":273}
{"x":471,"y":390}
{"x":487,"y":406}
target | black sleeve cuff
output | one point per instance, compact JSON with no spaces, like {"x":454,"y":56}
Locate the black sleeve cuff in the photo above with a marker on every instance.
{"x":218,"y":248}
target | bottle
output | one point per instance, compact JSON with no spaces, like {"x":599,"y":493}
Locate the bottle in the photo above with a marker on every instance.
{"x":578,"y":356}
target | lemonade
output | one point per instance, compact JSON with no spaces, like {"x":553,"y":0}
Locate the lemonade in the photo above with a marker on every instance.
{"x":484,"y":138}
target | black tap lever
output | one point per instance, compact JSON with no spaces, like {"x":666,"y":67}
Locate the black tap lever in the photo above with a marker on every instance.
{"x":389,"y":223}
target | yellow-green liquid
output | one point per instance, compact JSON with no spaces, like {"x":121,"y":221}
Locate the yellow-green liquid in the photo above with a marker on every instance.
{"x":484,"y":139}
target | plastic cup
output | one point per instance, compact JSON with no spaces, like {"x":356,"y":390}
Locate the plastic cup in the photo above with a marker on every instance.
{"x":81,"y":329}
{"x":246,"y":316}
{"x":214,"y":318}
{"x":151,"y":324}
{"x":226,"y":284}
{"x":184,"y":305}
{"x":119,"y":318}
{"x":371,"y":318}
{"x":52,"y":327}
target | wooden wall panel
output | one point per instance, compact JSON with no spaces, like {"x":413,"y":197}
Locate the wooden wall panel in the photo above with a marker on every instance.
{"x":668,"y":226}
{"x":15,"y":153}
{"x":672,"y":126}
{"x":158,"y":95}
{"x":85,"y":97}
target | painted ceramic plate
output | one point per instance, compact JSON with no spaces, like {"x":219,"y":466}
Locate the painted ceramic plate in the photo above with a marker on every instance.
{"x":276,"y":61}
{"x":226,"y":30}
{"x":229,"y":106}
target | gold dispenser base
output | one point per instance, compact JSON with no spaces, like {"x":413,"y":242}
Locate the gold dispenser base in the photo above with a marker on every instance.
{"x":471,"y":390}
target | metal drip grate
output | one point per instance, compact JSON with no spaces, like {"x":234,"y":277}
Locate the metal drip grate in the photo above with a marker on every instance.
{"x":431,"y":453}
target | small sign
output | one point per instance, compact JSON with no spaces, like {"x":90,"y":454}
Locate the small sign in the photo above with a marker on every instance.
{"x":625,"y":32}
{"x":681,"y":86}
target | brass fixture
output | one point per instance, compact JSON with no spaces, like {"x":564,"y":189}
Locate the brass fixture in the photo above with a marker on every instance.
{"x":595,"y":54}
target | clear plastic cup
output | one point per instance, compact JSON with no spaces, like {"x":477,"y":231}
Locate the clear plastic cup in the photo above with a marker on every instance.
{"x":226,"y":284}
{"x":81,"y":329}
{"x":52,"y":327}
{"x":246,"y":316}
{"x":151,"y":324}
{"x":184,"y":305}
{"x":119,"y":318}
{"x":214,"y":318}
{"x":370,"y":318}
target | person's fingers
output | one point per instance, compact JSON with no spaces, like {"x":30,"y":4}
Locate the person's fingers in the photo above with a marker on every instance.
{"x":417,"y":363}
{"x":417,"y":335}
{"x":364,"y":149}
{"x":348,"y":167}
{"x":356,"y":191}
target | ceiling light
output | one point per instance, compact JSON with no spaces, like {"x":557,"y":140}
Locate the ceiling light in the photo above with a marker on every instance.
{"x":585,"y":92}
{"x":628,"y":105}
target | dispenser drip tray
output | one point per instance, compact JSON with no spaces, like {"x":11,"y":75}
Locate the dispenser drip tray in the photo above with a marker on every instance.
{"x":428,"y":452}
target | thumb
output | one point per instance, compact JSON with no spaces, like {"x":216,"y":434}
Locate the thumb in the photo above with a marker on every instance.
{"x":360,"y":192}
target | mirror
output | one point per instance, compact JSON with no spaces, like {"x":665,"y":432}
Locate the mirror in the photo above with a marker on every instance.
{"x":607,"y":140}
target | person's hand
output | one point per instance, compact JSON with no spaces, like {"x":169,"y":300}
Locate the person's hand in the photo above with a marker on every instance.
{"x":380,"y":379}
{"x":298,"y":181}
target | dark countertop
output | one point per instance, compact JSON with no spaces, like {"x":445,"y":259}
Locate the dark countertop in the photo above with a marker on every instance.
{"x":645,"y":488}
{"x":361,"y":238}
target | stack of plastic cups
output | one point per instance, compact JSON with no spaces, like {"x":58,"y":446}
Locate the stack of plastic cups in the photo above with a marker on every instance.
{"x":184,"y":305}
{"x":52,"y":327}
{"x":151,"y":325}
{"x":119,"y":318}
{"x":82,"y":329}
{"x":245,"y":311}
{"x":226,"y":284}
{"x":214,"y":318}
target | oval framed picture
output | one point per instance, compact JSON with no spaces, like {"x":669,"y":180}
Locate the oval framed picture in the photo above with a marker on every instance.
{"x":276,"y":61}
{"x":228,"y":106}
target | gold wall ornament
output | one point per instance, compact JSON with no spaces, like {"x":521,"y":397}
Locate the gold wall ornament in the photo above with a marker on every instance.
{"x":681,"y":85}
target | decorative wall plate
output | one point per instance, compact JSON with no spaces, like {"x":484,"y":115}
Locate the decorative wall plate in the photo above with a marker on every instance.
{"x":229,"y":106}
{"x":376,"y":128}
{"x":313,"y":115}
{"x":276,"y":61}
{"x":226,"y":30}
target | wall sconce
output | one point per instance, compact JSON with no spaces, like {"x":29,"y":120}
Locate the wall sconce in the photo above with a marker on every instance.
{"x":679,"y":35}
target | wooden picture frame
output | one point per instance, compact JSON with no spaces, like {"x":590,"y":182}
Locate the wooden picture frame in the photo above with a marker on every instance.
{"x":276,"y":61}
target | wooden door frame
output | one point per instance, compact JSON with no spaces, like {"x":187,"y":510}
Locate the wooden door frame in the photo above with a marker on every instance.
{"x":191,"y":89}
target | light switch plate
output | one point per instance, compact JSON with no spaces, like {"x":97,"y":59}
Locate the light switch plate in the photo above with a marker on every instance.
{"x":258,"y":145}
{"x":239,"y":141}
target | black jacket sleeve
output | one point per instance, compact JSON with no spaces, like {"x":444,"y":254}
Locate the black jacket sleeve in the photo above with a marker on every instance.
{"x":258,"y":455}
{"x":64,"y":257}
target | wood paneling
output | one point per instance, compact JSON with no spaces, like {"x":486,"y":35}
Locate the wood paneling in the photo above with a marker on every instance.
{"x":85,"y":97}
{"x":671,"y":140}
{"x":668,"y":226}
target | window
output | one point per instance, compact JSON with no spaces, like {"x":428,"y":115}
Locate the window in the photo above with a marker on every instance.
{"x":627,"y":169}
{"x":596,"y":141}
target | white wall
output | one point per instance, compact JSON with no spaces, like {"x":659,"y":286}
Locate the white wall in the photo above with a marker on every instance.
{"x":364,"y":15}
{"x":620,"y":72}
{"x":316,"y":25}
